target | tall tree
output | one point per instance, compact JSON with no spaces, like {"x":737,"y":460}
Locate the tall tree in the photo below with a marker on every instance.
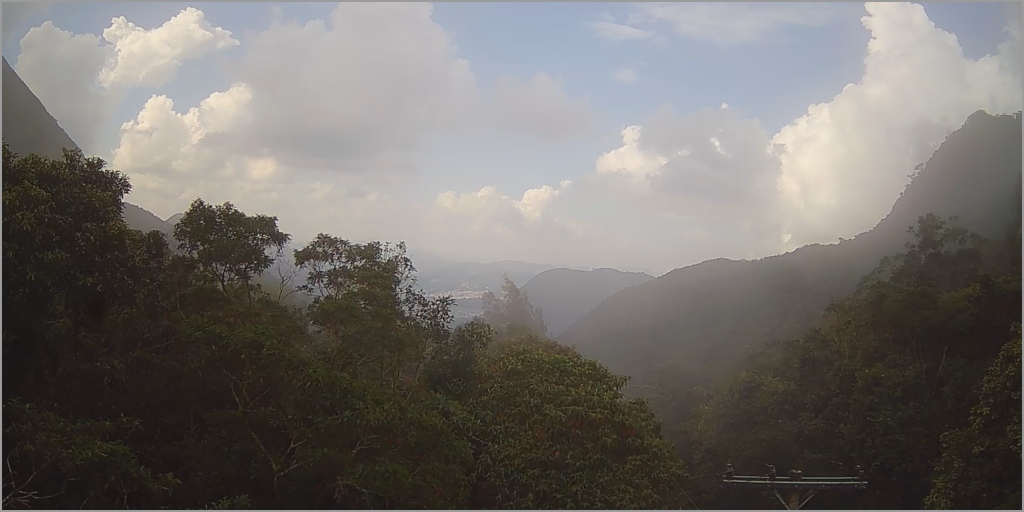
{"x":554,"y":432}
{"x":232,"y":246}
{"x":377,"y":324}
{"x":512,"y":314}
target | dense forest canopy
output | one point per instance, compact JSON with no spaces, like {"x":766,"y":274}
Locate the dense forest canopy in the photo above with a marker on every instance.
{"x":140,"y":377}
{"x":212,"y":366}
{"x":908,"y":377}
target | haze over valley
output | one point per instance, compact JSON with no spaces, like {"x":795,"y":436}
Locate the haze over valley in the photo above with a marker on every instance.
{"x":499,"y":256}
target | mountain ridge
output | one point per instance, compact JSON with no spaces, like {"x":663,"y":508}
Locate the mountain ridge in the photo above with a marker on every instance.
{"x":564,"y":295}
{"x":708,"y":312}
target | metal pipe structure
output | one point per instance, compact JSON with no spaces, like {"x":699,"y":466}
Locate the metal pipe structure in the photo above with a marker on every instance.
{"x":799,"y":489}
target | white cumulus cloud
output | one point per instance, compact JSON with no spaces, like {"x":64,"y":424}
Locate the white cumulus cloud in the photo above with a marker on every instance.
{"x":835,"y":171}
{"x":366,"y":89}
{"x":161,"y":140}
{"x":489,"y":206}
{"x":358,"y":92}
{"x":151,"y":58}
{"x":78,"y":77}
{"x":487,"y":224}
{"x":846,"y":161}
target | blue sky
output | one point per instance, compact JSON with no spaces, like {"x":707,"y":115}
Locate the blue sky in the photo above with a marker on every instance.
{"x":767,"y":62}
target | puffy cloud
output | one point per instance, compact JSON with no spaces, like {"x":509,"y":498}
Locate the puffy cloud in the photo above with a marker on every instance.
{"x":845,"y":162}
{"x":61,"y":69}
{"x":347,"y":122}
{"x":489,"y":207}
{"x":363,"y":89}
{"x":78,"y":77}
{"x":539,"y":109}
{"x":710,"y":165}
{"x":151,"y":58}
{"x":488,"y":225}
{"x":630,"y":159}
{"x":174,"y":157}
{"x":161,"y":140}
{"x":306,"y":147}
{"x":835,"y":171}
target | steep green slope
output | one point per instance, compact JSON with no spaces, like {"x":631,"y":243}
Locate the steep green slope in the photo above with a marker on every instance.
{"x":565,"y":295}
{"x":694,"y":321}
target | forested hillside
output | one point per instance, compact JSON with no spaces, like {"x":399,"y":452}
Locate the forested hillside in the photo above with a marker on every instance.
{"x":204,"y":363}
{"x":565,"y":295}
{"x":915,"y":377}
{"x":900,"y":361}
{"x":693,"y":323}
{"x":135,"y":377}
{"x":195,"y":364}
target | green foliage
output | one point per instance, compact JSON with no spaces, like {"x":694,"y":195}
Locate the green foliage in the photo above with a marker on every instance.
{"x":65,"y":251}
{"x":980,"y":465}
{"x":139,"y":378}
{"x":887,"y":379}
{"x":452,"y":369}
{"x":232,"y":503}
{"x":512,"y":315}
{"x":374,"y":321}
{"x":687,"y":331}
{"x":51,"y":462}
{"x":556,"y":433}
{"x":226,"y":242}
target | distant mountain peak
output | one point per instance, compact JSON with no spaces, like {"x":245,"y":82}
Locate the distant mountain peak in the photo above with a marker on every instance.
{"x":564,"y":295}
{"x":705,"y":315}
{"x":30,"y":129}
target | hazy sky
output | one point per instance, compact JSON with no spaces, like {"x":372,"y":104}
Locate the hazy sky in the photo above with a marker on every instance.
{"x":636,"y":136}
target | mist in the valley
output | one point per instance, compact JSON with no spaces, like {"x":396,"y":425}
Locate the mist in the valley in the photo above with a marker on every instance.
{"x":287,"y":292}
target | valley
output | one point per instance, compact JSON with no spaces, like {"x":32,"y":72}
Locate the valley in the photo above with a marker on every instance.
{"x":210,"y":360}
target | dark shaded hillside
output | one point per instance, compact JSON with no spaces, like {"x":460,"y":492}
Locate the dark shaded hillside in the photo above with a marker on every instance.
{"x":28,"y":127}
{"x":143,"y":220}
{"x":138,"y":378}
{"x":565,"y":295}
{"x":697,"y":319}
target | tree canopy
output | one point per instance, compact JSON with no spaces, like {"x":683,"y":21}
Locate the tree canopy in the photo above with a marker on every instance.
{"x":511,"y":313}
{"x":915,"y":377}
{"x":137,"y":376}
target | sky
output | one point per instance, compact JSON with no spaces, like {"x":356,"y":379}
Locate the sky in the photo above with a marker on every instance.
{"x":638,"y":136}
